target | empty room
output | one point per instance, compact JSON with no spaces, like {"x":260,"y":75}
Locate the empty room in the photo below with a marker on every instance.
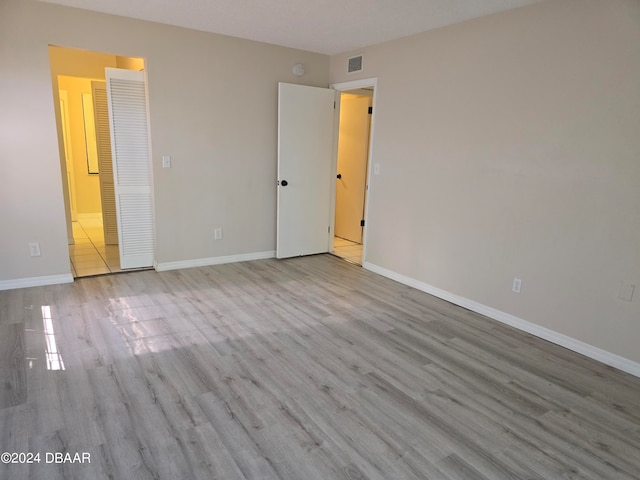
{"x":195,"y":285}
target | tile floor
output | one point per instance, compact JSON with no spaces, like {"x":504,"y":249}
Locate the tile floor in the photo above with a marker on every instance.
{"x":89,"y":255}
{"x":350,"y":251}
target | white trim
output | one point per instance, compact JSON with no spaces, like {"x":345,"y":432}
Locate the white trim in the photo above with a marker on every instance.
{"x":204,"y":262}
{"x":352,"y":85}
{"x":552,"y":336}
{"x":35,"y":281}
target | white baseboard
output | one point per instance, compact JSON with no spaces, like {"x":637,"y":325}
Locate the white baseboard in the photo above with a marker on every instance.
{"x":552,"y":336}
{"x":35,"y":281}
{"x":204,"y":262}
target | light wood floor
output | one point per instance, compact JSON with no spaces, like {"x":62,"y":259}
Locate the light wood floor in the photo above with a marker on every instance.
{"x":309,"y":368}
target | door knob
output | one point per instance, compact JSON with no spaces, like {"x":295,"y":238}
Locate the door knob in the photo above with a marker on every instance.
{"x":284,"y":183}
{"x":339,"y":176}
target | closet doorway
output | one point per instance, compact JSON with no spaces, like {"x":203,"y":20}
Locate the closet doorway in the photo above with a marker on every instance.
{"x":78,"y":78}
{"x":356,"y":109}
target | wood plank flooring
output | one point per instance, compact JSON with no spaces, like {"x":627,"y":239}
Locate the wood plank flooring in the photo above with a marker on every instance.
{"x":308,"y":368}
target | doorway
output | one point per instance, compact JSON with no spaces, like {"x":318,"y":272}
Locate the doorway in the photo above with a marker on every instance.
{"x":81,"y":120}
{"x":308,"y":129}
{"x":89,"y":254}
{"x":354,"y":137}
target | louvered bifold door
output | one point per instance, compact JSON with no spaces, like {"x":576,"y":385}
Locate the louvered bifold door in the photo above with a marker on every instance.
{"x":131,"y":166}
{"x":105,"y":165}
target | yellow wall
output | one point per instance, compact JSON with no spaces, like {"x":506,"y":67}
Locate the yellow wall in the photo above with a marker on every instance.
{"x":72,"y":70}
{"x":74,"y":63}
{"x":130,"y":63}
{"x":80,"y":63}
{"x":87,"y":186}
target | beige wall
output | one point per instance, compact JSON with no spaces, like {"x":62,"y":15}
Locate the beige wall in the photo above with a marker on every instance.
{"x":509,"y":146}
{"x":213,"y":108}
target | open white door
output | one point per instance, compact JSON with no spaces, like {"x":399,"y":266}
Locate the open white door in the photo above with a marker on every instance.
{"x":131,"y":166}
{"x":353,"y":156}
{"x":306,"y":119}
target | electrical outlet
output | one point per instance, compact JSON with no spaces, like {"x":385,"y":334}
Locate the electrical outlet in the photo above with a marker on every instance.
{"x":217,"y":234}
{"x":516,"y":286}
{"x":34,"y":249}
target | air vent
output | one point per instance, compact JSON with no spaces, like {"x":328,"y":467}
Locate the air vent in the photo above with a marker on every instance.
{"x":355,"y":64}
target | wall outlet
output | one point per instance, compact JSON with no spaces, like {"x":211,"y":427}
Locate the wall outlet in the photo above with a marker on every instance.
{"x":516,"y":286}
{"x":34,"y":249}
{"x":217,"y":234}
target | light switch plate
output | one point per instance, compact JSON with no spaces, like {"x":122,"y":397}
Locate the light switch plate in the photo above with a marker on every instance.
{"x":516,"y":286}
{"x":166,"y":161}
{"x":34,"y":249}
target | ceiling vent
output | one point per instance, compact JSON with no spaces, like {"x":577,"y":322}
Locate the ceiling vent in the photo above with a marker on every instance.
{"x":355,"y":64}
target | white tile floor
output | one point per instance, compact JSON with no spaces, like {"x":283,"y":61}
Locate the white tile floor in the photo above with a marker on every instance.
{"x":89,"y":255}
{"x":350,"y":251}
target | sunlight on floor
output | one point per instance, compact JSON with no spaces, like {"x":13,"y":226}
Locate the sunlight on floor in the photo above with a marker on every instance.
{"x":53,"y":356}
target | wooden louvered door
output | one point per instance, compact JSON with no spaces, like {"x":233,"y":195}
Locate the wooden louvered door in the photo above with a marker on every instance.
{"x":105,"y":164}
{"x":131,"y":166}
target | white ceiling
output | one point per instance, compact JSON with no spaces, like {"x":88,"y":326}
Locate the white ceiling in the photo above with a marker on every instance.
{"x":324,"y":26}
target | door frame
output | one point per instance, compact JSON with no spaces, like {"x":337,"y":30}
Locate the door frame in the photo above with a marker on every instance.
{"x":68,"y":71}
{"x":339,"y":88}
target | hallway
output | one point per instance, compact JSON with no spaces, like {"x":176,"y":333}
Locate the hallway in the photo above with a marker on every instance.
{"x":90,"y":256}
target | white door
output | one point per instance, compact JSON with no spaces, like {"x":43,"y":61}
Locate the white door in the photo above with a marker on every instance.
{"x":105,"y":163}
{"x":306,"y":119}
{"x":130,"y":154}
{"x":353,"y":155}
